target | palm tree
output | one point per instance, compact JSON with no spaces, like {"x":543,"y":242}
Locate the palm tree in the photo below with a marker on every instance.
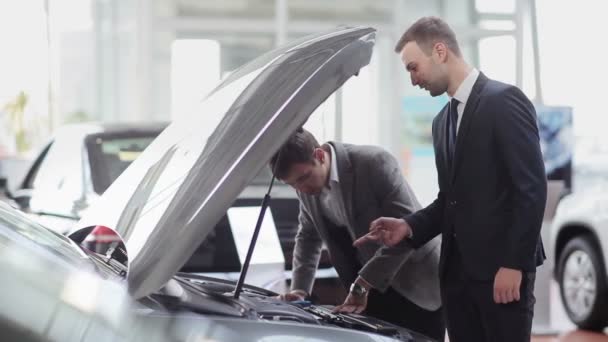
{"x":16,"y":112}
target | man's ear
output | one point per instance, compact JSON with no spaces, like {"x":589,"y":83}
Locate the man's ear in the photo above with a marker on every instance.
{"x":440,"y":50}
{"x":319,"y":154}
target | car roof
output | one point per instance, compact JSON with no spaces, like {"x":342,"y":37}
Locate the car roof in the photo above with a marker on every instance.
{"x":122,"y":126}
{"x":112,"y":127}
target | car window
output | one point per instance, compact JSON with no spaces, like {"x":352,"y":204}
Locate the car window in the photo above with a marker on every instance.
{"x":59,"y":181}
{"x":109,"y":155}
{"x":263,"y":177}
{"x":61,"y":169}
{"x":28,"y":183}
{"x":14,"y":225}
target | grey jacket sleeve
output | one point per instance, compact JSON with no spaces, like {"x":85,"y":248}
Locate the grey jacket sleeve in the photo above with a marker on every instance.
{"x":426,"y":223}
{"x":306,"y":253}
{"x":397,"y":200}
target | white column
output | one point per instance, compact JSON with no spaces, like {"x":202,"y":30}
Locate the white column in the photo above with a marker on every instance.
{"x":144,"y":32}
{"x":104,"y":25}
{"x":537,"y":79}
{"x":281,"y":18}
{"x":338,"y":136}
{"x":159,"y":55}
{"x":519,"y":43}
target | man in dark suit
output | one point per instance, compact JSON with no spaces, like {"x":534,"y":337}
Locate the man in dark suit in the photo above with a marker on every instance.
{"x":342,"y":188}
{"x":492,"y":192}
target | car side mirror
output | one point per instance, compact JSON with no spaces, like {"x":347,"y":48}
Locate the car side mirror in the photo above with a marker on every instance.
{"x":4,"y":185}
{"x":22,"y":198}
{"x":5,"y":194}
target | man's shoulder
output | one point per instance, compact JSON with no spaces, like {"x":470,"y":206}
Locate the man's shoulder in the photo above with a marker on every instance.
{"x":362,"y":149}
{"x":498,"y":88}
{"x":363,"y":156}
{"x":365,"y":152}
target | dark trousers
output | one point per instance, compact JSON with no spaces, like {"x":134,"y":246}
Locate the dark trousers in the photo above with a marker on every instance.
{"x":470,"y":312}
{"x":392,"y":307}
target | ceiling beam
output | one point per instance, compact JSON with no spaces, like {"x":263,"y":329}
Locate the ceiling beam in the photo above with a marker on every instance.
{"x":215,"y":25}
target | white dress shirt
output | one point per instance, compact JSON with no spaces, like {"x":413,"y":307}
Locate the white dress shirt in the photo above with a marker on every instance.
{"x":331,"y":196}
{"x":463,"y":92}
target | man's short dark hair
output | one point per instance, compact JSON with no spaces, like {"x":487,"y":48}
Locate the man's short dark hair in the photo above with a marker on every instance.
{"x":428,"y":31}
{"x":299,"y":148}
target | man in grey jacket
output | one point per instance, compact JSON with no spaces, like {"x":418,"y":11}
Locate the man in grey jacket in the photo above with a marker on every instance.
{"x":342,"y":188}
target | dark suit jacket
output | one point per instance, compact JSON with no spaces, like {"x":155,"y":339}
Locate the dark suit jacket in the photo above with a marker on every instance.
{"x":493,"y":197}
{"x":372,"y":185}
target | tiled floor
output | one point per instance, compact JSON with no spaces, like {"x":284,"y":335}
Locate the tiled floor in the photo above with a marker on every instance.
{"x":571,"y":336}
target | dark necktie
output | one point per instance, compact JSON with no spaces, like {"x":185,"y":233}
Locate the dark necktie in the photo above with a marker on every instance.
{"x":452,"y":127}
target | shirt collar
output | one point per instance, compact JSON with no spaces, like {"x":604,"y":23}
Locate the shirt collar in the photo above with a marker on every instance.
{"x":465,"y":88}
{"x":333,"y":170}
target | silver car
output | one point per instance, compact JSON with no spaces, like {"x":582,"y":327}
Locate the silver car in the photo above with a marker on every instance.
{"x":54,"y":291}
{"x":173,"y":195}
{"x":81,"y":161}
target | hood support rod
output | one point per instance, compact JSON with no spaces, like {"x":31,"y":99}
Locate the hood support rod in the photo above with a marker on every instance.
{"x":265,"y":202}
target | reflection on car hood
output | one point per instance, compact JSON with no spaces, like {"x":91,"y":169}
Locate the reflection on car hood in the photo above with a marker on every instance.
{"x":171,"y":197}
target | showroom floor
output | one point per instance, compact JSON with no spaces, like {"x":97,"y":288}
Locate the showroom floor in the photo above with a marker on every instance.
{"x":566,"y":331}
{"x":574,"y":336}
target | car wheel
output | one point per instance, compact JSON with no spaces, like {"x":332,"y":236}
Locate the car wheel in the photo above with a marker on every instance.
{"x":582,"y":282}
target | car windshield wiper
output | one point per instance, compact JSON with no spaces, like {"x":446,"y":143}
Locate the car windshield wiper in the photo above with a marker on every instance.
{"x":110,"y":261}
{"x":352,"y":321}
{"x":178,"y":294}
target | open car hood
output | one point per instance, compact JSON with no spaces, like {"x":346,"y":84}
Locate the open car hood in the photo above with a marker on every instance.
{"x":172,"y":196}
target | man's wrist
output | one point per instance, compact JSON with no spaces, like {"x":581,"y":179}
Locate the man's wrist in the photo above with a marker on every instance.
{"x":358,"y":290}
{"x":510,"y":268}
{"x":361,"y":281}
{"x":360,"y":287}
{"x":300,"y":293}
{"x":410,"y":233}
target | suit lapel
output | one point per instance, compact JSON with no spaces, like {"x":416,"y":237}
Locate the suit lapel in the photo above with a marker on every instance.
{"x":345,"y":175}
{"x":470,"y":111}
{"x":443,"y":133}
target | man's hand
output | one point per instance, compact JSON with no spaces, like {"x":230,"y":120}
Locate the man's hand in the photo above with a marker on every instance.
{"x":387,"y":230}
{"x":506,"y":285}
{"x":352,"y":304}
{"x":293,"y":295}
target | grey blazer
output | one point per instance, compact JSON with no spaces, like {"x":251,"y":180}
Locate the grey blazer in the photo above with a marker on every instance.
{"x":372,"y":186}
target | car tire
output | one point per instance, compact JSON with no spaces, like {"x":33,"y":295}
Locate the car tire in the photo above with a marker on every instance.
{"x":582,"y":283}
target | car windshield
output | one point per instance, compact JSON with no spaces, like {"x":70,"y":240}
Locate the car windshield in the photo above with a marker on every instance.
{"x":14,"y":226}
{"x":111,"y":154}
